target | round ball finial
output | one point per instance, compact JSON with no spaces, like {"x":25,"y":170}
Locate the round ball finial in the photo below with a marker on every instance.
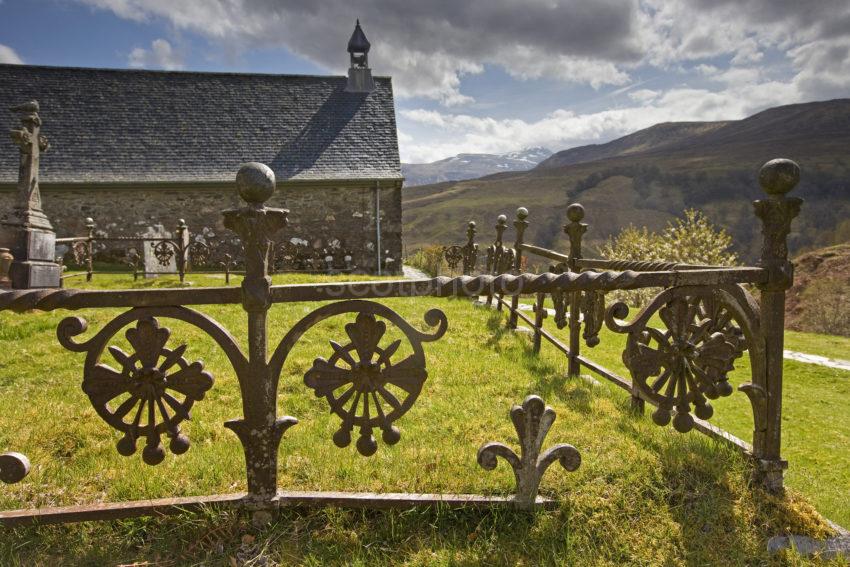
{"x":255,"y":182}
{"x":522,"y":213}
{"x":89,"y":221}
{"x":501,"y":219}
{"x":472,"y":224}
{"x":779,"y":176}
{"x":575,"y":212}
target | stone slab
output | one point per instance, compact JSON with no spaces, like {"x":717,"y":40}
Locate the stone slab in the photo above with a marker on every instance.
{"x":35,"y":274}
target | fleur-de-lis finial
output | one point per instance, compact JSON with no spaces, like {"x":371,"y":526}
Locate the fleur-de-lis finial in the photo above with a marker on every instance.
{"x":532,"y":421}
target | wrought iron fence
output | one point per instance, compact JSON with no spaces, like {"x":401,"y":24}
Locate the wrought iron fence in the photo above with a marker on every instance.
{"x":191,"y":254}
{"x":710,"y":320}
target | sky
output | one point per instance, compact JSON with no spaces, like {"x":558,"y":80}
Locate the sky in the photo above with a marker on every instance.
{"x":488,"y":76}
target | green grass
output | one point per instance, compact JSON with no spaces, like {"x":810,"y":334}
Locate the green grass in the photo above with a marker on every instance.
{"x":830,"y":346}
{"x":643,"y":495}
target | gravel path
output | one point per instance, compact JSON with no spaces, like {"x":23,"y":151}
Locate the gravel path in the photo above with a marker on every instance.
{"x":413,"y":274}
{"x":815,"y":359}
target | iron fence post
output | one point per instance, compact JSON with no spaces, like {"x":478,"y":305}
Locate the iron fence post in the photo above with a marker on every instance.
{"x":470,"y":251}
{"x":520,"y":224}
{"x":260,"y":430}
{"x":89,"y":248}
{"x":777,"y":177}
{"x":575,"y":230}
{"x":182,"y":235}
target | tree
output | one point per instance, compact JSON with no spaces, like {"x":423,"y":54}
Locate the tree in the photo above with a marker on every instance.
{"x":689,"y":240}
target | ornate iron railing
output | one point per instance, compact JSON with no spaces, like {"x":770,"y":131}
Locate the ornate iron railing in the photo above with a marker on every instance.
{"x":146,"y":394}
{"x":188,"y":253}
{"x":709,"y":320}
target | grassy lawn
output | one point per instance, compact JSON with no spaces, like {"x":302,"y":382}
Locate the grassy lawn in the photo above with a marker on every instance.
{"x":643,"y":495}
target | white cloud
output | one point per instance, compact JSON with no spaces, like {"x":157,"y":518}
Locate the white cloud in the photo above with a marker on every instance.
{"x":456,"y":133}
{"x":8,"y":55}
{"x":160,"y":56}
{"x":643,"y":95}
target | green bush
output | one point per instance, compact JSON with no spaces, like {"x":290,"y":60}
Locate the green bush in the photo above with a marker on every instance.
{"x":689,"y":240}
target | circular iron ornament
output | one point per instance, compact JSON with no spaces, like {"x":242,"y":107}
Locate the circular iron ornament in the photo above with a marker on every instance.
{"x":687,"y":363}
{"x":163,"y":252}
{"x":362,"y":382}
{"x":14,"y":467}
{"x":154,"y":388}
{"x":198,"y":254}
{"x":454,"y":256}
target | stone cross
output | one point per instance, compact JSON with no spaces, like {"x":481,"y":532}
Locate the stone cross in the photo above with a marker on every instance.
{"x":31,"y":143}
{"x":26,"y":230}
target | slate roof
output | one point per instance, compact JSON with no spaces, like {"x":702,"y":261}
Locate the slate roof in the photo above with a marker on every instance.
{"x":109,"y":125}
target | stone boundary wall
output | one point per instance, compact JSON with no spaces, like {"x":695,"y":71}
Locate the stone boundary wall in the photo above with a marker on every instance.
{"x":321,"y":215}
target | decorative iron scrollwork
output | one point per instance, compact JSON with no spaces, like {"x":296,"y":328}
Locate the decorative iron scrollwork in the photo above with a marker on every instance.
{"x":532,"y":422}
{"x":14,"y":467}
{"x":688,"y":362}
{"x":163,"y":251}
{"x":454,"y":255}
{"x":593,"y":316}
{"x":198,"y":254}
{"x":155,"y":387}
{"x":560,"y":299}
{"x":360,"y":381}
{"x":80,"y":252}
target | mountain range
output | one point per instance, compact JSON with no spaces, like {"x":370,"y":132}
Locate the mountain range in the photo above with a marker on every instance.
{"x":651,"y":176}
{"x":469,"y":166}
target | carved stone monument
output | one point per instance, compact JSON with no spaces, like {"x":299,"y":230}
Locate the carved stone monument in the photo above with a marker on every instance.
{"x":25,"y":230}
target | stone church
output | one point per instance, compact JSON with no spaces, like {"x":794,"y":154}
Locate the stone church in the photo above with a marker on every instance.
{"x":138,"y":149}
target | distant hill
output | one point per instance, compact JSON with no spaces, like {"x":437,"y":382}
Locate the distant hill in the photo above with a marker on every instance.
{"x":651,"y":176}
{"x":470,"y":166}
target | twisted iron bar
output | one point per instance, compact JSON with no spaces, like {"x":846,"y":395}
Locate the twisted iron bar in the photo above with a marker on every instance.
{"x":640,"y":265}
{"x":460,"y":286}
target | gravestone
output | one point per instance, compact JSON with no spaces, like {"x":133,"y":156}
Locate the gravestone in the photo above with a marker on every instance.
{"x":159,"y":257}
{"x":26,"y":230}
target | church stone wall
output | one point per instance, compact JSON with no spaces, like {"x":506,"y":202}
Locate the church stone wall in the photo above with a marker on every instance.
{"x":318,"y":215}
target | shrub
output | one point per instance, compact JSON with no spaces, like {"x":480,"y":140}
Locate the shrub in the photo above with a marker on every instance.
{"x":825,"y":308}
{"x":689,"y":240}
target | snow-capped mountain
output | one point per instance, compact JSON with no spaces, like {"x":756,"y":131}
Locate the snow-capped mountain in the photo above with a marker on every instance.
{"x":470,"y":166}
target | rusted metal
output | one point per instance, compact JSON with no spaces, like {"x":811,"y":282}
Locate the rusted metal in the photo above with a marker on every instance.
{"x":708,"y":316}
{"x":14,"y":467}
{"x":284,"y":499}
{"x":362,"y":372}
{"x":575,"y":230}
{"x":532,"y":421}
{"x":709,"y":321}
{"x":520,"y":224}
{"x":687,"y":363}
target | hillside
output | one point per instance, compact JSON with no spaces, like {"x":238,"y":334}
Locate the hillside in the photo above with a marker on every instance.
{"x":651,"y":176}
{"x":470,"y":166}
{"x":820,"y":299}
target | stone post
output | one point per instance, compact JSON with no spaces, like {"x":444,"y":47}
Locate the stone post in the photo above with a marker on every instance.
{"x":259,"y":430}
{"x":777,"y":177}
{"x":575,"y":230}
{"x":520,"y":224}
{"x":25,"y":230}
